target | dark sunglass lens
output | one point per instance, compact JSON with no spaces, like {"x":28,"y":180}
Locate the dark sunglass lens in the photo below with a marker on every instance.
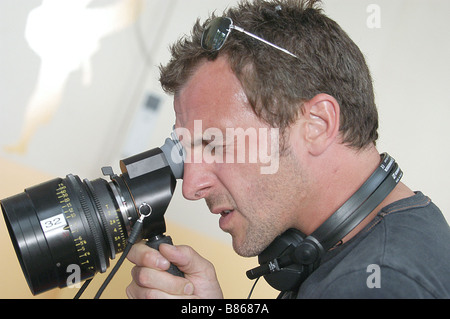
{"x":215,"y":34}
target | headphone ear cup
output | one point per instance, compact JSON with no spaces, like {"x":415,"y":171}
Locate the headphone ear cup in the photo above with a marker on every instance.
{"x":289,"y":277}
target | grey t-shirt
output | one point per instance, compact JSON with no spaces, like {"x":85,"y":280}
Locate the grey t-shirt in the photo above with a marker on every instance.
{"x":404,"y":252}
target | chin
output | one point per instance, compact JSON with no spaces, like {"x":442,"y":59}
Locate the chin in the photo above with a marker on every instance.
{"x":248,"y":249}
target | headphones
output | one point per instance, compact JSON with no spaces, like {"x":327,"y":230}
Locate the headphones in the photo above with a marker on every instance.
{"x":292,"y":256}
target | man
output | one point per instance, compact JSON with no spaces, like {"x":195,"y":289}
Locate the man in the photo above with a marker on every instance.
{"x":302,"y":75}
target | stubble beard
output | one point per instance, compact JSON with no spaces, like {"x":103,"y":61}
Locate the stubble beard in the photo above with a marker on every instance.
{"x":264,"y":226}
{"x":257,"y":238}
{"x":280,"y":200}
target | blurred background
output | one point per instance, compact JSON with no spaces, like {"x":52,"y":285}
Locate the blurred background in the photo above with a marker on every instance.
{"x":79,"y":90}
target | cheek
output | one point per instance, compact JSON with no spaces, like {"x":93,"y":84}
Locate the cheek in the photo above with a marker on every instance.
{"x":240,"y":182}
{"x":281,"y":194}
{"x":238,"y":177}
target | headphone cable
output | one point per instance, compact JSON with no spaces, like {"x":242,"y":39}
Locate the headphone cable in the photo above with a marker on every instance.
{"x":135,"y":232}
{"x":253,"y":287}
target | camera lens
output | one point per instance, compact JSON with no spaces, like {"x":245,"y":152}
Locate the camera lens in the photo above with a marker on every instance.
{"x":66,"y":222}
{"x":66,"y":230}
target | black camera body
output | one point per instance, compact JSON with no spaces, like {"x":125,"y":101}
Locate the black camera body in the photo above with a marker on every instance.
{"x":67,"y":222}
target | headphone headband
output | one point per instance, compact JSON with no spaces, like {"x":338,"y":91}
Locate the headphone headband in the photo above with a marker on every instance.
{"x":360,"y":204}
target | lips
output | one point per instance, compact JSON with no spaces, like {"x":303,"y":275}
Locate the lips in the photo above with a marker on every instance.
{"x":223,"y":211}
{"x":226,"y":214}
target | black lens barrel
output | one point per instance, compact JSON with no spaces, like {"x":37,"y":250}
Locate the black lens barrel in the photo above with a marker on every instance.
{"x":65,"y":224}
{"x":62,"y":223}
{"x":37,"y":220}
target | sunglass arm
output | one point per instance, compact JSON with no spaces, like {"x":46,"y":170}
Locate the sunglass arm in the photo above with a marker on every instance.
{"x":262,"y":40}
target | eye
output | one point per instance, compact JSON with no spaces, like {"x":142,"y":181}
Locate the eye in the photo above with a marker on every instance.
{"x":211,"y":147}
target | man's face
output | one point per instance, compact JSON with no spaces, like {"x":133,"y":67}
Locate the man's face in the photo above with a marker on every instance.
{"x":254,"y":207}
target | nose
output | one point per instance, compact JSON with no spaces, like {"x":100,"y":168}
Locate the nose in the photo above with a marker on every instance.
{"x":198,"y":181}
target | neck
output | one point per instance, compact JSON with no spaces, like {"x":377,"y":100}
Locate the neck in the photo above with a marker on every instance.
{"x":338,"y":174}
{"x":401,"y":191}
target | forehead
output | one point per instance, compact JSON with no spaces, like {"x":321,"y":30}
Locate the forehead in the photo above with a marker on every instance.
{"x":215,"y":96}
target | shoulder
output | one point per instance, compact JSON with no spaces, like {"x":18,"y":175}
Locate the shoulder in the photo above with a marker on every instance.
{"x":402,"y":253}
{"x":376,"y":282}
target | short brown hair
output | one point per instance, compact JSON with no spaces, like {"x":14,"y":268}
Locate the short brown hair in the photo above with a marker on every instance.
{"x":276,"y":83}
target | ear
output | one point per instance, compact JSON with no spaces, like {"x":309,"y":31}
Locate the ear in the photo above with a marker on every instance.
{"x":321,"y":122}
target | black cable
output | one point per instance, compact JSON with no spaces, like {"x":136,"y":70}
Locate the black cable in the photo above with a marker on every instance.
{"x":135,"y":232}
{"x":113,"y":271}
{"x":253,"y":287}
{"x":82,"y":289}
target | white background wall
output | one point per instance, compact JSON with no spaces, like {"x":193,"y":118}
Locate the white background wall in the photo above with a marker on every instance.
{"x":408,"y":54}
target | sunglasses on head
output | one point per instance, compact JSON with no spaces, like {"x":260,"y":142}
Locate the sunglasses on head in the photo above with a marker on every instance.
{"x":218,"y":30}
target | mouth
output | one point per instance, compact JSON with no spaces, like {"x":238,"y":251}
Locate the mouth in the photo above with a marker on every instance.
{"x":225,"y":221}
{"x":225,"y":213}
{"x":222,"y":210}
